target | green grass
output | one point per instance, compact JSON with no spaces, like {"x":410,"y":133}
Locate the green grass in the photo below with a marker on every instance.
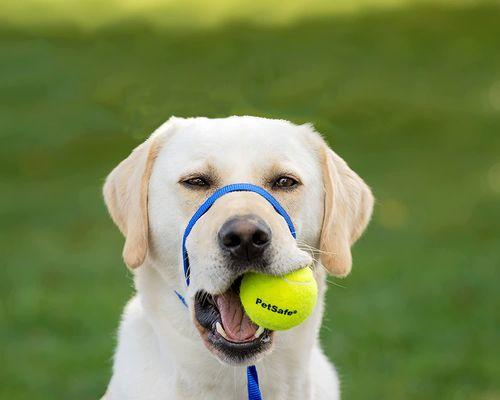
{"x":91,"y":15}
{"x":410,"y":97}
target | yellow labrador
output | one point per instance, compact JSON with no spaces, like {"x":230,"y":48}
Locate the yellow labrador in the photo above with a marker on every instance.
{"x":167,"y":351}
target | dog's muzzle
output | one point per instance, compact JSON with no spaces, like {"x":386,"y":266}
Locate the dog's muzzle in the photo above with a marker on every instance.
{"x":221,"y":320}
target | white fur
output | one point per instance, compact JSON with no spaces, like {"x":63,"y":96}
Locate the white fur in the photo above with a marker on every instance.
{"x":160,"y":355}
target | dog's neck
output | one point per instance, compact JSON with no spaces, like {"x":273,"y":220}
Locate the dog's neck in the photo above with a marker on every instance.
{"x":183,"y":354}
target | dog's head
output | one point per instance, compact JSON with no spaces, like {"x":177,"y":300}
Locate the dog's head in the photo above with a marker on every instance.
{"x":153,"y":193}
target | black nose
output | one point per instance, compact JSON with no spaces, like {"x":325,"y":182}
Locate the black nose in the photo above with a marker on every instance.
{"x":245,"y":237}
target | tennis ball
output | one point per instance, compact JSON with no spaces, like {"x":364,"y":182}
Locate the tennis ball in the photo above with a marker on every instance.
{"x":279,"y":302}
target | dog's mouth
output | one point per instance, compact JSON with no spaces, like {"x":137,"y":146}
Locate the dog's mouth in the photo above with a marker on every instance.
{"x":225,"y":328}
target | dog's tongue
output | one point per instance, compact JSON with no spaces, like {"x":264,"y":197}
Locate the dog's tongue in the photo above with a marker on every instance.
{"x":235,"y":322}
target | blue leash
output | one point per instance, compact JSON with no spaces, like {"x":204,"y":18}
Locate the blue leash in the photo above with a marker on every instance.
{"x":253,"y":384}
{"x":252,"y":376}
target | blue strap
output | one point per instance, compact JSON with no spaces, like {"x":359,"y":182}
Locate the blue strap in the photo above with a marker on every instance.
{"x":235,"y":187}
{"x":252,"y":377}
{"x":253,"y":384}
{"x":181,"y":298}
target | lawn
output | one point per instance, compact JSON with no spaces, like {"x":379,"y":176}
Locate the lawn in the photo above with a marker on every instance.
{"x":410,"y":96}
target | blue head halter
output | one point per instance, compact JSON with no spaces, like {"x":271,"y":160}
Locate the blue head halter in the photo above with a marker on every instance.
{"x":236,"y":187}
{"x":252,"y":377}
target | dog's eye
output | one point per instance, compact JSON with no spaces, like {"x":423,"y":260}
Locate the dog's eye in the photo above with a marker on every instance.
{"x":197,"y":181}
{"x":285,"y":182}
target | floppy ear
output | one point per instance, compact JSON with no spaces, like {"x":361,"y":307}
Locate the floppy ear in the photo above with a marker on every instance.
{"x":348,"y":208}
{"x":126,"y":196}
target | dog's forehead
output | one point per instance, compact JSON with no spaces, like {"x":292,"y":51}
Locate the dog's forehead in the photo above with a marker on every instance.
{"x":238,"y":142}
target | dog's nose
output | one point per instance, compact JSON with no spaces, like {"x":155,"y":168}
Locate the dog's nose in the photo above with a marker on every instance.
{"x":245,"y":237}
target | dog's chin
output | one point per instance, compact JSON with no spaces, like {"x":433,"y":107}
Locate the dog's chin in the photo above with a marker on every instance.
{"x":227,"y":331}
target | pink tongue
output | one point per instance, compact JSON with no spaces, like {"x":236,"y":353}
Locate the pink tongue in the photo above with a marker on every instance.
{"x":235,"y":322}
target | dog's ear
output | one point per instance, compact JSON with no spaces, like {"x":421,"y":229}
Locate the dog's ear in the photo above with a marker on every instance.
{"x":348,"y":208}
{"x":126,"y":196}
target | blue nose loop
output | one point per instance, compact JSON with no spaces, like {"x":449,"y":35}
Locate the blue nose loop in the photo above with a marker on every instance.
{"x":235,"y":187}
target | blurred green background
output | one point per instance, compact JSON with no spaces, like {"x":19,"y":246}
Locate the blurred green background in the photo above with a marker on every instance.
{"x":408,"y":92}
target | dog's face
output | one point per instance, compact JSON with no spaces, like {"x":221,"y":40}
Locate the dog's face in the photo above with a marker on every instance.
{"x":153,"y":194}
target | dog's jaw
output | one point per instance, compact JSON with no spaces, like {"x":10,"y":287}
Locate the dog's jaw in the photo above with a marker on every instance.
{"x":244,"y":342}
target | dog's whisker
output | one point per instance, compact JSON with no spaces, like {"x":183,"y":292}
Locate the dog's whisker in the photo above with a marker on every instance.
{"x":330,"y":282}
{"x":219,"y":372}
{"x":314,"y":249}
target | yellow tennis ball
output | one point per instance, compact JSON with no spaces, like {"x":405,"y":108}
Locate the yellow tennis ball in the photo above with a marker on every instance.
{"x":279,"y":302}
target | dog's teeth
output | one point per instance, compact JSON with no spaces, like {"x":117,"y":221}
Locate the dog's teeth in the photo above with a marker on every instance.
{"x":220,"y":329}
{"x":259,"y":332}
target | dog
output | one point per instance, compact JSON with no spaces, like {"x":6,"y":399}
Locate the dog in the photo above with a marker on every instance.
{"x":169,"y":351}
